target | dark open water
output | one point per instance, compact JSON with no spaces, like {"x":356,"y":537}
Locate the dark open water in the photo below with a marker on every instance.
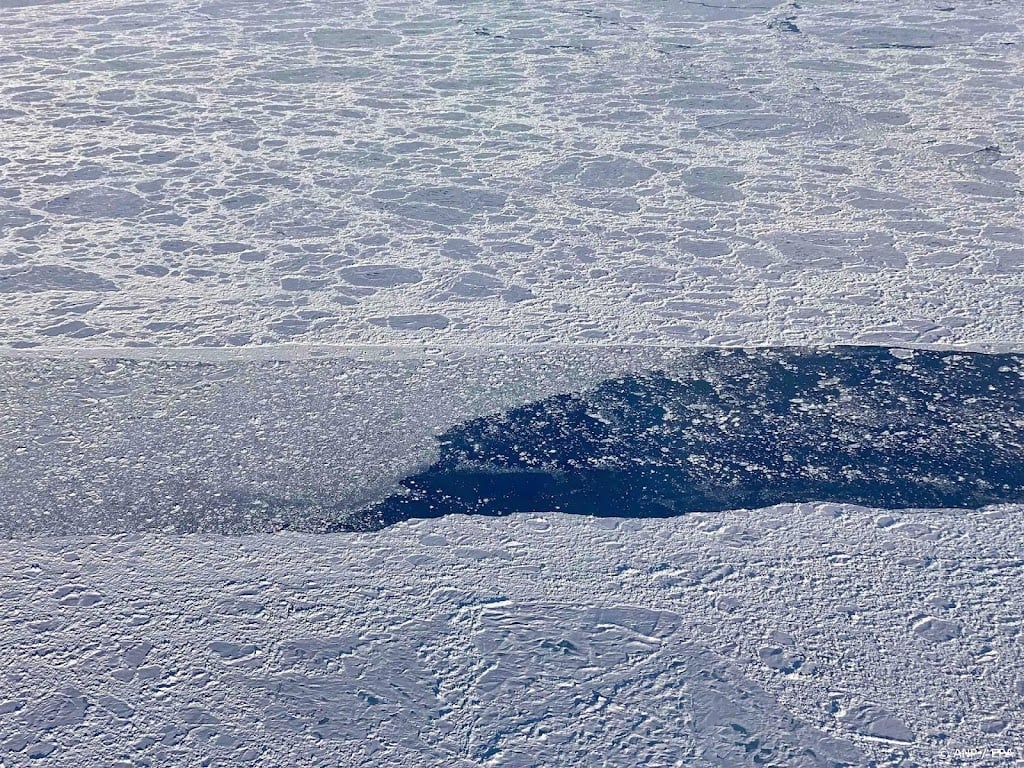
{"x":851,"y":424}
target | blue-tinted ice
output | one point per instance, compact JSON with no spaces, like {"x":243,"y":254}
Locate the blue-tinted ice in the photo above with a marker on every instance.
{"x":750,"y":429}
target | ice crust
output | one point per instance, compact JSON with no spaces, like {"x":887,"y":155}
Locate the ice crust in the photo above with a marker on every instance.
{"x":243,"y":243}
{"x":235,"y":172}
{"x":525,"y":640}
{"x":114,"y":445}
{"x":357,"y":443}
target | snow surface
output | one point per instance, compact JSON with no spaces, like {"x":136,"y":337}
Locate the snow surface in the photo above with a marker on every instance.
{"x":806,"y":635}
{"x":231,"y":172}
{"x":366,"y":222}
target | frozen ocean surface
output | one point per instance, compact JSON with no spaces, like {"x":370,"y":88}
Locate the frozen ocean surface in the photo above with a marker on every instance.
{"x":235,"y":172}
{"x":270,"y":272}
{"x":365,"y":441}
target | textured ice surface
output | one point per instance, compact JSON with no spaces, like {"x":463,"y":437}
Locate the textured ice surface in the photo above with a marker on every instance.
{"x":252,"y":171}
{"x":816,"y":634}
{"x":789,"y":636}
{"x":93,"y":446}
{"x":449,"y":176}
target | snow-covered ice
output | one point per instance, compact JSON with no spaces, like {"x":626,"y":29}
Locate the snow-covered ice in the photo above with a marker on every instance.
{"x":262,"y":261}
{"x":231,"y":172}
{"x":794,"y":635}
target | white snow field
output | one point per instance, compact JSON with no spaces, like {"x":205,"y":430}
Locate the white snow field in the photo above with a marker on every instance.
{"x":233,"y":172}
{"x":790,"y":636}
{"x":269,"y":251}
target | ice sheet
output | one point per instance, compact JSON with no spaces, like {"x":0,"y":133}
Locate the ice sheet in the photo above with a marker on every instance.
{"x":259,"y":259}
{"x":805,"y":635}
{"x":233,"y":172}
{"x":359,"y":442}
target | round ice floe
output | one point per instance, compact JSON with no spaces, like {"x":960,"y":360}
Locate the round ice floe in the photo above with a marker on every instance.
{"x":98,"y":203}
{"x":329,"y":37}
{"x":780,"y":659}
{"x":937,"y":630}
{"x":61,"y":708}
{"x":615,"y":172}
{"x":51,"y":277}
{"x":380,"y":275}
{"x":873,"y":720}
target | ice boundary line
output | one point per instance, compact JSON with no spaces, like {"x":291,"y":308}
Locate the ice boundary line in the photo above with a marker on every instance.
{"x":309,"y":352}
